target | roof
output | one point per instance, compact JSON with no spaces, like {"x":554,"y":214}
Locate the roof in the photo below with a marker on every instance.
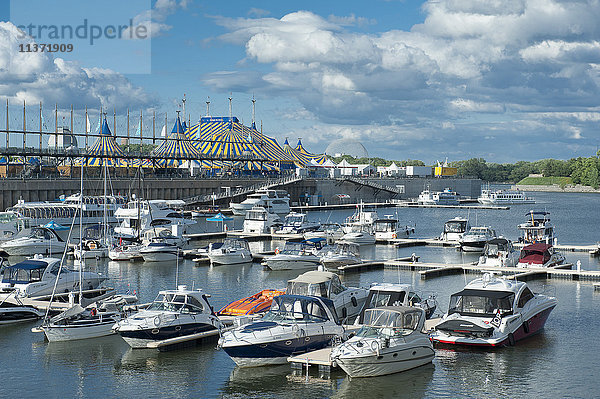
{"x":29,"y":264}
{"x":537,"y":247}
{"x":487,"y":293}
{"x":326,"y":301}
{"x":390,"y":287}
{"x":498,"y":241}
{"x":313,"y":277}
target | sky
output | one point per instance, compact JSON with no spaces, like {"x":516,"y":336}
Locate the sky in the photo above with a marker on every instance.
{"x":504,"y":80}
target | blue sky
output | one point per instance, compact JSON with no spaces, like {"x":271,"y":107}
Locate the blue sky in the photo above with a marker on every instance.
{"x":500,"y":79}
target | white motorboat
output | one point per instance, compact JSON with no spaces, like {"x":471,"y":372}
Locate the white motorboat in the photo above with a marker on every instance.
{"x":297,"y":223}
{"x":94,"y":242}
{"x":341,"y":254}
{"x":537,"y":228}
{"x":163,"y":234}
{"x":274,"y":201}
{"x":126,"y":252}
{"x":455,"y":229}
{"x":362,"y":219}
{"x":260,"y":221}
{"x":160,"y":251}
{"x":296,"y":255}
{"x":348,"y":301}
{"x":38,"y":276}
{"x":389,"y":229}
{"x":41,"y":240}
{"x":475,"y":239}
{"x":331,"y":232}
{"x":499,"y":252}
{"x":12,"y":223}
{"x":389,"y":294}
{"x":503,"y":197}
{"x":231,"y":252}
{"x":174,"y":313}
{"x":361,"y":235}
{"x":540,"y":255}
{"x":491,"y":312}
{"x":391,"y":340}
{"x":446,"y":197}
{"x":294,"y":325}
{"x":16,"y":312}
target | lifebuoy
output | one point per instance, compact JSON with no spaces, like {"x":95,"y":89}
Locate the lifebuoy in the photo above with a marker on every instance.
{"x":92,"y":245}
{"x":394,"y":235}
{"x":276,"y":251}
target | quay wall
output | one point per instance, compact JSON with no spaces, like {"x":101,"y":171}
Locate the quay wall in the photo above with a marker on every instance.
{"x":308,"y":190}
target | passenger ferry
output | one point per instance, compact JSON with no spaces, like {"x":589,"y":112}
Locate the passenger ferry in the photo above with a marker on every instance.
{"x":504,"y":197}
{"x":63,"y":212}
{"x":274,"y":201}
{"x":446,"y":197}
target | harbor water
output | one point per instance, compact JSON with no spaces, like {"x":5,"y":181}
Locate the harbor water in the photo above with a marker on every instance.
{"x":559,"y":362}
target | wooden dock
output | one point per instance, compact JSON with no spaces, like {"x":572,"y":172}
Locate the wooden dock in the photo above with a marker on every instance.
{"x":371,"y":265}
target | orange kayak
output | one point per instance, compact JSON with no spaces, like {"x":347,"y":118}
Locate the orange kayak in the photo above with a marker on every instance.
{"x":257,"y":303}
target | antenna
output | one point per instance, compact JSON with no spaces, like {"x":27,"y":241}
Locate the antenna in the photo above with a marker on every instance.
{"x":253,"y":112}
{"x":230,"y":110}
{"x":208,"y":107}
{"x":183,"y":101}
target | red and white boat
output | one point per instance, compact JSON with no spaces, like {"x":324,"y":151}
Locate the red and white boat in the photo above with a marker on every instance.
{"x":540,"y":255}
{"x":492,"y":312}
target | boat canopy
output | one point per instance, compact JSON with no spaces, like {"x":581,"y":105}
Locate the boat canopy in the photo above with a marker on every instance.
{"x":396,"y":317}
{"x":301,"y":308}
{"x":481,"y":302}
{"x":24,"y":272}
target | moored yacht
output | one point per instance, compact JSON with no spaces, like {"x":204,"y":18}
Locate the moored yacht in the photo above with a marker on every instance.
{"x":41,"y":240}
{"x":537,"y":228}
{"x":232,"y":251}
{"x":297,"y":223}
{"x":260,"y":221}
{"x":503,"y":197}
{"x":274,"y":201}
{"x":389,"y":229}
{"x":540,"y":255}
{"x":455,"y":229}
{"x":160,"y":251}
{"x":499,"y":252}
{"x":446,"y":197}
{"x":390,"y":294}
{"x":16,"y":311}
{"x":140,"y":215}
{"x":296,"y":255}
{"x":492,"y":311}
{"x":475,"y":239}
{"x":341,"y":254}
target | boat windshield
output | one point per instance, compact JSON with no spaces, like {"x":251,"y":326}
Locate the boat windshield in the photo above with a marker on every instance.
{"x":295,"y":309}
{"x":299,"y":288}
{"x":455,"y":227}
{"x":481,"y":303}
{"x":293,"y":220}
{"x":387,"y":323}
{"x":176,"y":303}
{"x":379,"y":299}
{"x":40,"y":233}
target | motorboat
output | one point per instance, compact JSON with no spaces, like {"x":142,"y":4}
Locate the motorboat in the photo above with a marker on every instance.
{"x":160,"y":251}
{"x":297,"y":223}
{"x":94,"y":242}
{"x":391,"y":340}
{"x":93,"y":321}
{"x":16,"y":312}
{"x":348,"y":301}
{"x":492,"y":312}
{"x":164,"y":234}
{"x":174,"y":313}
{"x":296,"y":255}
{"x":12,"y":223}
{"x":540,"y":255}
{"x":232,"y":251}
{"x":341,"y":254}
{"x":126,"y":252}
{"x":445,"y":197}
{"x":361,"y":218}
{"x":475,"y":239}
{"x":537,"y":228}
{"x":274,"y":201}
{"x":504,"y":197}
{"x":499,"y":252}
{"x":331,"y":232}
{"x":390,"y":294}
{"x":455,"y":229}
{"x":38,"y":276}
{"x":260,"y":221}
{"x":294,"y":324}
{"x":41,"y":240}
{"x":359,"y":235}
{"x":389,"y":229}
{"x":251,"y":305}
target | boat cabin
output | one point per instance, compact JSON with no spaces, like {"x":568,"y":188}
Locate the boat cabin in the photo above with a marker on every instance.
{"x":386,"y":294}
{"x":454,"y":229}
{"x":31,"y":271}
{"x":538,"y":254}
{"x":391,"y":321}
{"x":181,"y":300}
{"x":318,"y":283}
{"x":497,"y":246}
{"x":308,"y":309}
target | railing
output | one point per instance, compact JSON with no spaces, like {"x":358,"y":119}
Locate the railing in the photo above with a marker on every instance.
{"x":371,"y":184}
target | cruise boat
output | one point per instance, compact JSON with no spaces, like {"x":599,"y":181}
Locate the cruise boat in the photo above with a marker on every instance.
{"x":341,"y":254}
{"x":499,"y":252}
{"x":504,"y":197}
{"x":348,"y":301}
{"x":296,"y":255}
{"x":252,"y":305}
{"x":160,"y":251}
{"x":475,"y":239}
{"x":297,"y":223}
{"x":274,"y":201}
{"x":446,"y":197}
{"x":390,"y":340}
{"x":537,"y":228}
{"x":38,"y":276}
{"x":231,"y":252}
{"x":540,"y":255}
{"x":390,"y":294}
{"x":11,"y":224}
{"x":294,"y":325}
{"x":455,"y":229}
{"x":492,"y":312}
{"x":174,"y":313}
{"x":63,"y":212}
{"x":260,"y":221}
{"x":389,"y":229}
{"x":41,"y":240}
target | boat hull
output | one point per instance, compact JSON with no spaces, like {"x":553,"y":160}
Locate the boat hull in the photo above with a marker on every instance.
{"x":139,"y":338}
{"x":18,"y":314}
{"x":33,"y":249}
{"x":159,"y":256}
{"x":358,"y":238}
{"x":61,"y":333}
{"x":292,"y":264}
{"x":230,"y":259}
{"x":387,"y":362}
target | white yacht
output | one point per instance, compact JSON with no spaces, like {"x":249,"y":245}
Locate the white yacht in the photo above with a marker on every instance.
{"x":38,"y":276}
{"x":163,"y":234}
{"x":16,"y":312}
{"x":297,"y":223}
{"x":454,"y":229}
{"x":390,"y":340}
{"x":274,"y":201}
{"x":296,"y":255}
{"x":260,"y":221}
{"x":499,"y":252}
{"x":540,"y":255}
{"x":389,"y":229}
{"x":503,"y":197}
{"x":126,"y":252}
{"x":160,"y":251}
{"x":491,"y":312}
{"x":331,"y":232}
{"x":341,"y":254}
{"x":294,"y":325}
{"x":41,"y":240}
{"x":174,"y":313}
{"x":231,"y":252}
{"x":11,"y":224}
{"x":348,"y":301}
{"x":537,"y":228}
{"x":362,"y":217}
{"x":390,"y":294}
{"x":446,"y":197}
{"x":359,"y":235}
{"x":475,"y":239}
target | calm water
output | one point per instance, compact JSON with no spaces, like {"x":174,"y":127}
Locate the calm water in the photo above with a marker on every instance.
{"x":560,"y":362}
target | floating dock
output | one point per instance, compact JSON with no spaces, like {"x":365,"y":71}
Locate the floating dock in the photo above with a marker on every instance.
{"x":184,"y":341}
{"x":371,"y":265}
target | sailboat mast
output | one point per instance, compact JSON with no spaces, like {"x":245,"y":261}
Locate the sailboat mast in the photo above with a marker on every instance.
{"x":81,"y":257}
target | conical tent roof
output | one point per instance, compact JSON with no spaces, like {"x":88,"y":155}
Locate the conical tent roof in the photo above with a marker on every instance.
{"x":319,"y":158}
{"x":104,"y":149}
{"x":175,"y":145}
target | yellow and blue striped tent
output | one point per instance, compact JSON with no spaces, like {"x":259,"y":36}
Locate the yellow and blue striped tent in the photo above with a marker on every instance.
{"x":176,"y":145}
{"x":318,"y":158}
{"x":103,"y":151}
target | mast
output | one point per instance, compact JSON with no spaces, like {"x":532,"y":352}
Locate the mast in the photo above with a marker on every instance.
{"x":81,"y":259}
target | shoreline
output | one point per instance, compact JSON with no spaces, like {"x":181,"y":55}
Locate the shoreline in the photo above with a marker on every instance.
{"x":556,"y":188}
